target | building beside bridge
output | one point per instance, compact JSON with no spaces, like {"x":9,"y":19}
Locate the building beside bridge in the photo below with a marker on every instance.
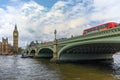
{"x":6,"y":48}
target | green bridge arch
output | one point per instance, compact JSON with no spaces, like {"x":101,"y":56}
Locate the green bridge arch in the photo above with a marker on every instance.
{"x":32,"y":52}
{"x":45,"y":52}
{"x":92,"y":47}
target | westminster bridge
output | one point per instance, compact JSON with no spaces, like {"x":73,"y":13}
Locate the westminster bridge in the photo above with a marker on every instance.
{"x":95,"y":46}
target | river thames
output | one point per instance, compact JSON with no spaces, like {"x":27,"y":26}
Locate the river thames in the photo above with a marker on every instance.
{"x":17,"y":68}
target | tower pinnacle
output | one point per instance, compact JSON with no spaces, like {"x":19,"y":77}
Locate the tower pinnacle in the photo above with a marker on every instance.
{"x":15,"y":27}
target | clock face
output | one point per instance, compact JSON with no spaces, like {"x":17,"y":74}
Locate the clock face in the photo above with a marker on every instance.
{"x":15,"y":34}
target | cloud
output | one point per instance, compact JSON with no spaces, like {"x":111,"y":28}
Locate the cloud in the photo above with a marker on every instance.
{"x":106,"y":10}
{"x":70,"y":17}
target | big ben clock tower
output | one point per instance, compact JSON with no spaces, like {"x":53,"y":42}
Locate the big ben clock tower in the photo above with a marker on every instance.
{"x":15,"y":40}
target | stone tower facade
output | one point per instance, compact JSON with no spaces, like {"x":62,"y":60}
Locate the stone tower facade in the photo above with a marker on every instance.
{"x":15,"y":40}
{"x":4,"y":45}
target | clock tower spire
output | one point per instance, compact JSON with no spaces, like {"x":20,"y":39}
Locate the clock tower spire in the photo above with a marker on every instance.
{"x":15,"y":39}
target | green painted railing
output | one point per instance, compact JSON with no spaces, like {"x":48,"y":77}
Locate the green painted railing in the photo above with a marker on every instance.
{"x":96,"y":35}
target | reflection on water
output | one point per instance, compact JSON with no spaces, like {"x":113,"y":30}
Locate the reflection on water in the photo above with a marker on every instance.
{"x":16,"y":68}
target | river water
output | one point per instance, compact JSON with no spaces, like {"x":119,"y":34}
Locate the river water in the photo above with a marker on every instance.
{"x":16,"y":68}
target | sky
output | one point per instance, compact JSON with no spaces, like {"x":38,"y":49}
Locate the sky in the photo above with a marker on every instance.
{"x":37,"y":19}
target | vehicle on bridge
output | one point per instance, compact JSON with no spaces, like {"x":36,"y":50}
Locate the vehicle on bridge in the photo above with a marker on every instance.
{"x":100,"y":27}
{"x":61,"y":39}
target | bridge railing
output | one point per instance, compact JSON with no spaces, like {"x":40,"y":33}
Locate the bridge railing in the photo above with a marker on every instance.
{"x":96,"y":35}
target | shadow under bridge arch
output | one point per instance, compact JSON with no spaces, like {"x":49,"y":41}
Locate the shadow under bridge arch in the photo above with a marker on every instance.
{"x":89,"y":51}
{"x":45,"y":53}
{"x":32,"y":53}
{"x":27,"y":52}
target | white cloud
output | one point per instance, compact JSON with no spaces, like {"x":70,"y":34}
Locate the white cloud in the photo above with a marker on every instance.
{"x":107,"y":10}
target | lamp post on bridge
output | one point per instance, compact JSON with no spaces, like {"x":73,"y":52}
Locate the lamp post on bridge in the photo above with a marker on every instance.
{"x":54,"y":59}
{"x":55,"y":32}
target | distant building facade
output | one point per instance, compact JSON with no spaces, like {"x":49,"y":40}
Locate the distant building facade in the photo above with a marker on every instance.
{"x":6,"y":48}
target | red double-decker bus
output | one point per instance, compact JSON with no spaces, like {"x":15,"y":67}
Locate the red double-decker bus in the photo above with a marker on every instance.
{"x":100,"y":27}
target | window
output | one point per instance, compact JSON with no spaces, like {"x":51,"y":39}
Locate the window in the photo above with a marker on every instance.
{"x":95,"y":29}
{"x":101,"y":26}
{"x":106,"y":25}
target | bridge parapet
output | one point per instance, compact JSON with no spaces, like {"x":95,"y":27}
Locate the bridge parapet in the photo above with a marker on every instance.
{"x":95,"y":35}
